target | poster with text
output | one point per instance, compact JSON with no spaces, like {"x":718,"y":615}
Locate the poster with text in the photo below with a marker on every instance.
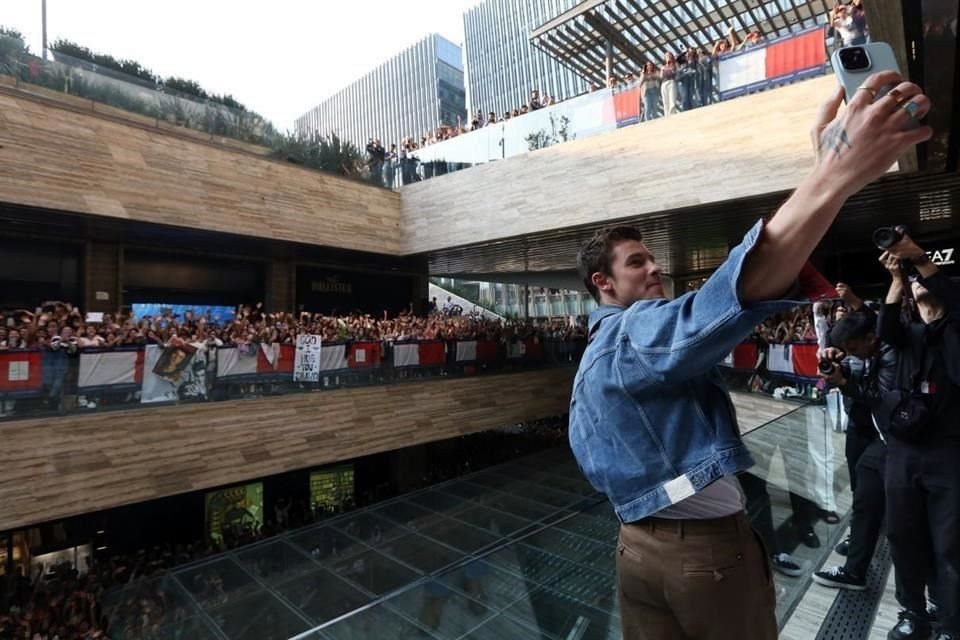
{"x":306,"y":362}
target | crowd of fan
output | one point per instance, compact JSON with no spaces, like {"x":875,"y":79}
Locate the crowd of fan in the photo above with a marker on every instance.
{"x":66,"y":605}
{"x":783,"y":328}
{"x":61,"y":326}
{"x":677,"y":83}
{"x":806,"y":323}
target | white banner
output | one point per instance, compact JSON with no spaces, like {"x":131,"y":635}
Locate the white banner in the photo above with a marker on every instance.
{"x":406,"y":355}
{"x":235,"y":362}
{"x":333,"y":357}
{"x":743,"y":69}
{"x":306,"y":362}
{"x":517,"y":349}
{"x":466,"y":350}
{"x":778,"y":358}
{"x":107,"y":368}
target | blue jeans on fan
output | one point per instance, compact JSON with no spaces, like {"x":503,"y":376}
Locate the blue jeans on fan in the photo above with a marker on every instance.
{"x":651,"y":104}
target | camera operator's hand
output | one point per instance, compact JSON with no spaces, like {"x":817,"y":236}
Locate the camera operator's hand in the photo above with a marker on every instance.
{"x":862,"y":143}
{"x":891,"y":263}
{"x":847,"y":295}
{"x":833,"y":354}
{"x":906,"y":248}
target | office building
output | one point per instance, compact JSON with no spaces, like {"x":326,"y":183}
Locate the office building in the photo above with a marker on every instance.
{"x":502,"y":65}
{"x":416,"y":90}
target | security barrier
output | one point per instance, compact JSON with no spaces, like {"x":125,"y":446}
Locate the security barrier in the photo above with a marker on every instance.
{"x":90,"y":379}
{"x":795,"y":359}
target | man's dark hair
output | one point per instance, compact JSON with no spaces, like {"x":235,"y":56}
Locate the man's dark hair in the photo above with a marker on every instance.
{"x":853,"y":326}
{"x":596,"y":253}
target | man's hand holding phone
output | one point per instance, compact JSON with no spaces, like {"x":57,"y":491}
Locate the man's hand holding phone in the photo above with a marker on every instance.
{"x":860,"y":144}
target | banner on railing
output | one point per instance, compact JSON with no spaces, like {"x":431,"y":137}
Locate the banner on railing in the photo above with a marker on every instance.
{"x":418,"y":354}
{"x":306,"y":364}
{"x":333,"y":357}
{"x":364,"y":355}
{"x":626,"y":103}
{"x":255,"y":360}
{"x":767,"y":65}
{"x":116,"y":370}
{"x":21,"y":372}
{"x":794,"y":359}
{"x":175,"y":372}
{"x":466,"y":350}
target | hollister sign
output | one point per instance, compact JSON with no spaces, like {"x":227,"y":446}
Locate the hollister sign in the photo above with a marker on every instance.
{"x":331,"y":284}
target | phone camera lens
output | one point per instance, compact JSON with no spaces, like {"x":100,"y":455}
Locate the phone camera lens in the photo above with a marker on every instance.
{"x":854,"y":59}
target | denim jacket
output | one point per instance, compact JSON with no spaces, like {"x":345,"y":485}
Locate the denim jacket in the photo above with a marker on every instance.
{"x":650,"y":421}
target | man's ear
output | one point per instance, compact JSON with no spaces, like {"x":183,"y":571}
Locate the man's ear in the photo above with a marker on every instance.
{"x":601,"y":281}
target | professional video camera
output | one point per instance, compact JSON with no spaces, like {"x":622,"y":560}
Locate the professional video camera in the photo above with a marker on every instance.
{"x":886,"y":237}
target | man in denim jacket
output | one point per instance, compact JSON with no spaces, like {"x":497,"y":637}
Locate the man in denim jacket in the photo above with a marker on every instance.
{"x":651,"y":426}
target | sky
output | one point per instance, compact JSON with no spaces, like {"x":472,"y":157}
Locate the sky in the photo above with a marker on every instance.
{"x":278,"y":57}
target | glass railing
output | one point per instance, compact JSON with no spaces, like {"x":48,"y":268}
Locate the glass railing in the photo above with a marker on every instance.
{"x":524,"y":549}
{"x":101,"y":85}
{"x":47,"y":382}
{"x":781,"y":61}
{"x":798,"y":493}
{"x":785,"y":60}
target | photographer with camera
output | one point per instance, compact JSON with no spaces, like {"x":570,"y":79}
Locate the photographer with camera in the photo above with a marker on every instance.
{"x":863,"y":369}
{"x":920,"y":419}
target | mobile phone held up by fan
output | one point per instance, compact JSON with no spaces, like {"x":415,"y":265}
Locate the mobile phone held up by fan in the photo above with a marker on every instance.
{"x":853,"y":65}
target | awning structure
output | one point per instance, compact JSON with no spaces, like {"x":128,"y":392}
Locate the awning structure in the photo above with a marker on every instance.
{"x":597,"y":38}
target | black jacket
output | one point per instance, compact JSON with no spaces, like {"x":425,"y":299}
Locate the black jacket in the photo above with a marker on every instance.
{"x":857,"y":408}
{"x":931,"y":354}
{"x":867,"y":382}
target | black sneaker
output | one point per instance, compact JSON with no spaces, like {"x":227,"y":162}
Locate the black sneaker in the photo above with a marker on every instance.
{"x":809,"y":538}
{"x":910,"y":626}
{"x":838,"y":578}
{"x":844,"y":547}
{"x":786,"y":565}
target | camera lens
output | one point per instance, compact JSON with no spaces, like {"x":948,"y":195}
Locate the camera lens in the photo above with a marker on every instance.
{"x":854,"y":59}
{"x":886,"y":237}
{"x":825,"y":366}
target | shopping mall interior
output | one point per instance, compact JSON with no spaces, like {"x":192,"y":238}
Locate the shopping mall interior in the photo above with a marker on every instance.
{"x":360,"y":392}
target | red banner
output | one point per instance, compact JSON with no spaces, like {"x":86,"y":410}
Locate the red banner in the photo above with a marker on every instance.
{"x":804,"y":358}
{"x":364,"y":355}
{"x":790,"y":55}
{"x":745,"y":355}
{"x":488,"y":350}
{"x":534,"y":349}
{"x":20,"y":371}
{"x":626,"y":105}
{"x":431,"y":354}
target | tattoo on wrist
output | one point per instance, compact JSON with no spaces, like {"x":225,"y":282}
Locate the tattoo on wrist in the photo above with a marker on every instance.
{"x":835,"y":139}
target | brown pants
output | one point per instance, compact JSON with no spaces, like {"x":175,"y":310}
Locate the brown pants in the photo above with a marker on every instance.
{"x":694,"y":580}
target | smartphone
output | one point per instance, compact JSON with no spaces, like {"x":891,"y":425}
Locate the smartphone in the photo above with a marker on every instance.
{"x":853,"y":65}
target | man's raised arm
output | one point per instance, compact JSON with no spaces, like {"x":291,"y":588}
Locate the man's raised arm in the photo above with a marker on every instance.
{"x":852,"y":151}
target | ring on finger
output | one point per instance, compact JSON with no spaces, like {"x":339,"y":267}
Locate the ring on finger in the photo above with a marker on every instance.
{"x":896,"y":95}
{"x":871,"y":90}
{"x":912,"y":109}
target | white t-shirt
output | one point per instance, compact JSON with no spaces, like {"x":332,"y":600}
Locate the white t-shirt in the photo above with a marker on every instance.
{"x":719,"y":499}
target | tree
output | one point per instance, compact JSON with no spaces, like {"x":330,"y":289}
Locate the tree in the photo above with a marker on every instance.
{"x":126,"y":67}
{"x":559,"y":133}
{"x":11,"y":49}
{"x":324,"y":152}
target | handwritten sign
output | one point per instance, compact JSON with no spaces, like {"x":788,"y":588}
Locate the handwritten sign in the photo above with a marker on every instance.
{"x":306,"y":361}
